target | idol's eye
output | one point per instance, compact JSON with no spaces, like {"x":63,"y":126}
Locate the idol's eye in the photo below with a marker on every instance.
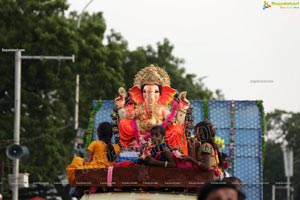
{"x":156,"y":91}
{"x":144,"y":91}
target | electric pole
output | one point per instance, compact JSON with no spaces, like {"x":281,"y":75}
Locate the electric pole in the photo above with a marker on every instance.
{"x":18,"y":58}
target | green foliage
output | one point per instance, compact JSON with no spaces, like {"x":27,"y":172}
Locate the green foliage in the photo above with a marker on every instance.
{"x":48,"y":87}
{"x":205,"y":110}
{"x":263,"y":127}
{"x":41,"y":29}
{"x":282,"y":126}
{"x":89,"y":134}
{"x":273,"y":170}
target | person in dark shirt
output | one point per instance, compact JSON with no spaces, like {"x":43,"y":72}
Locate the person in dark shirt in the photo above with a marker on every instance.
{"x":158,"y":153}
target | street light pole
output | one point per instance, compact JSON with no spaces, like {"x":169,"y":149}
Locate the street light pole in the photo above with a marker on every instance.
{"x":76,"y":114}
{"x":288,"y":188}
{"x":17,"y":109}
{"x":273,"y":192}
{"x":15,"y":182}
{"x":288,"y":157}
{"x":80,"y":16}
{"x":76,"y":102}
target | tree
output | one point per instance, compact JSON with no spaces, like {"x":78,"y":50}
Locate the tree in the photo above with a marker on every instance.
{"x":283,"y":126}
{"x":41,"y":28}
{"x":273,"y":170}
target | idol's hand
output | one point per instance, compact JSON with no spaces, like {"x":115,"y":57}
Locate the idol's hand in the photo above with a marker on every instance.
{"x":120,"y":100}
{"x":122,"y":92}
{"x":184,"y":103}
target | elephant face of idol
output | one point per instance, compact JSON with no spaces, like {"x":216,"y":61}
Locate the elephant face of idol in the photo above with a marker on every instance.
{"x":151,"y":93}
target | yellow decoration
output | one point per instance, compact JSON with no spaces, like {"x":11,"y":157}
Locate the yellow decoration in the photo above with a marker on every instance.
{"x":219,"y":142}
{"x":152,"y":75}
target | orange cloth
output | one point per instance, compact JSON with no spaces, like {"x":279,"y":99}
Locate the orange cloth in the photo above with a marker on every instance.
{"x":176,"y":138}
{"x":77,"y":163}
{"x":175,"y":135}
{"x":99,"y":159}
{"x":99,"y":150}
{"x":126,"y":132}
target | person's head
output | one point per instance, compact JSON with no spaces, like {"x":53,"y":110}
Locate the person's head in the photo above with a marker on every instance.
{"x":220,"y":190}
{"x":205,"y":132}
{"x":157,"y":135}
{"x":104,"y":134}
{"x":235,"y":181}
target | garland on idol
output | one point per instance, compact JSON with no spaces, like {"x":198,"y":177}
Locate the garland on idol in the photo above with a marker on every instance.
{"x":219,"y":142}
{"x":259,"y":103}
{"x":205,"y":109}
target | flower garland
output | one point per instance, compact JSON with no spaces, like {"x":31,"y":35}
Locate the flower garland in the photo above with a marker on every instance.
{"x":175,"y":107}
{"x":259,"y":103}
{"x":219,"y":142}
{"x":189,"y":122}
{"x":88,"y":138}
{"x":231,"y":147}
{"x":205,"y":109}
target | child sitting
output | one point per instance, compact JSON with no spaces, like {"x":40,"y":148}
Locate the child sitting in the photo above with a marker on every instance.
{"x":207,"y":155}
{"x":100,"y":154}
{"x":158,"y":153}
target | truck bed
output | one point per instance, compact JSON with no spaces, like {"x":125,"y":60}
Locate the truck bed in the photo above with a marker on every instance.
{"x":144,"y":177}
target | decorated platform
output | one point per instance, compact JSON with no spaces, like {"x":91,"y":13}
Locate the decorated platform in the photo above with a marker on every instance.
{"x":152,"y":136}
{"x":239,"y":123}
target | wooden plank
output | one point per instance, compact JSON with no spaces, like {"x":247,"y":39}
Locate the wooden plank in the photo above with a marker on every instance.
{"x":144,"y":176}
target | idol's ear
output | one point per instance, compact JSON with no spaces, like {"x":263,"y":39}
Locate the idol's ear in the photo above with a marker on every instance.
{"x":167,"y":95}
{"x":136,"y":94}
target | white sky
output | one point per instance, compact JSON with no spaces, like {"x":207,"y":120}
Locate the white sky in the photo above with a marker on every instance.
{"x":232,"y":42}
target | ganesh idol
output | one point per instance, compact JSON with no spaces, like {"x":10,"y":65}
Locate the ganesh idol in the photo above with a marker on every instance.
{"x":151,"y":103}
